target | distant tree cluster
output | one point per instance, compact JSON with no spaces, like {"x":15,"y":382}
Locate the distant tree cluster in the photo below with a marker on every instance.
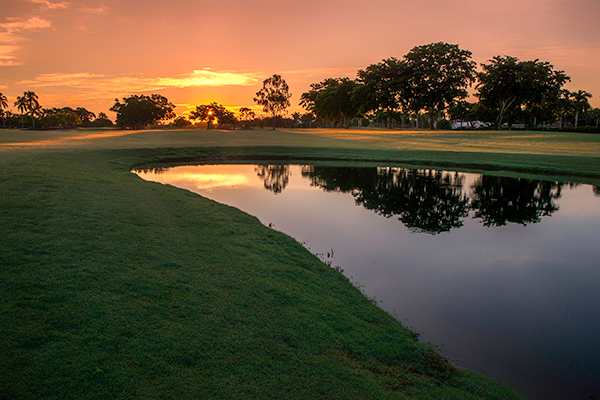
{"x":33,"y":115}
{"x":429,"y":86}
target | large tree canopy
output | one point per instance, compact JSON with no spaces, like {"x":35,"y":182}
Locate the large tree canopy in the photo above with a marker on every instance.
{"x":274,"y":97}
{"x":331,"y":100}
{"x":383,"y":87}
{"x":440,"y":74}
{"x":137,"y":112}
{"x":507,"y":85}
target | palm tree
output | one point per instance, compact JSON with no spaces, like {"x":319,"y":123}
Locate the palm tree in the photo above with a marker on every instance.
{"x":581,"y":103}
{"x":21,"y":107}
{"x":28,"y":103}
{"x":3,"y":105}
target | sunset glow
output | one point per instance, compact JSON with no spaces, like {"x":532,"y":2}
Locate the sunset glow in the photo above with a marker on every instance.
{"x":86,"y":53}
{"x":207,"y":177}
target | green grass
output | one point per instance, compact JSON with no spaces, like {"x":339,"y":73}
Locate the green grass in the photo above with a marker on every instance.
{"x":113,"y":287}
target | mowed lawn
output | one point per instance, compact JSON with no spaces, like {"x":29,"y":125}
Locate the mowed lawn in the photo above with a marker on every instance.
{"x":113,"y":287}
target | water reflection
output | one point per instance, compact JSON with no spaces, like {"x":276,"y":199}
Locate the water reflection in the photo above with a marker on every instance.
{"x":498,"y":200}
{"x":432,"y":201}
{"x":275,"y":177}
{"x":424,"y":200}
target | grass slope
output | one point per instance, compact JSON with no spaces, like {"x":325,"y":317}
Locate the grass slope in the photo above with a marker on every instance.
{"x":113,"y":287}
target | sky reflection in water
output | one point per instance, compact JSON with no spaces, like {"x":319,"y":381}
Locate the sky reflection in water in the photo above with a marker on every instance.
{"x":502,"y":273}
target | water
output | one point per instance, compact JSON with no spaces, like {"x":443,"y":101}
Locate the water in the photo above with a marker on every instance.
{"x":502,"y":274}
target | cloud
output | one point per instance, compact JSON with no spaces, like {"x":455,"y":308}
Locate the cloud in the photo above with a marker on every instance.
{"x":20,"y":25}
{"x":98,"y":10}
{"x":13,"y":33}
{"x":47,"y":5}
{"x":97,"y":86}
{"x":7,"y":57}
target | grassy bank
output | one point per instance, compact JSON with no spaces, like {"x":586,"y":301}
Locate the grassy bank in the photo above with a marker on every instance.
{"x":113,"y":287}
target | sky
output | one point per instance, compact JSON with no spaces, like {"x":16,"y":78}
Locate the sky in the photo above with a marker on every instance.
{"x":86,"y":53}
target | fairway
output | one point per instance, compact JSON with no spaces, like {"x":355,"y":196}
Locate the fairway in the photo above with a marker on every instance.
{"x":113,"y":287}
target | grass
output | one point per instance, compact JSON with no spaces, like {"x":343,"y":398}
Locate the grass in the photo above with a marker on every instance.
{"x":113,"y":287}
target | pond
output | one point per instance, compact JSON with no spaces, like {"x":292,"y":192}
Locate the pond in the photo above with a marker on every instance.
{"x":502,"y":274}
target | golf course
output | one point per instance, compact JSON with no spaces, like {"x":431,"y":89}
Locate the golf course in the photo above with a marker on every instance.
{"x":115,"y":287}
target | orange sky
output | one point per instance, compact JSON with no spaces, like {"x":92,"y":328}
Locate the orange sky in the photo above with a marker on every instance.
{"x":87,"y":52}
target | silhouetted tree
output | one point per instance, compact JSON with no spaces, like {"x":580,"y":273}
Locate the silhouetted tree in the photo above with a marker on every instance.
{"x":55,"y":117}
{"x":383,"y":87}
{"x":181,"y":122}
{"x":102,"y":121}
{"x":507,"y":85}
{"x":85,"y":116}
{"x":3,"y":105}
{"x":581,"y":103}
{"x":29,"y":104}
{"x":440,"y":74}
{"x":331,"y":100}
{"x":137,"y":112}
{"x":211,"y":112}
{"x":246,"y":114}
{"x":274,"y":97}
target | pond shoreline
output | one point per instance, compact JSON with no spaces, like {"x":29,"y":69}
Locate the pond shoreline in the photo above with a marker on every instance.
{"x":116,"y":286}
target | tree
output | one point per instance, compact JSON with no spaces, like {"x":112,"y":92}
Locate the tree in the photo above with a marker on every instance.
{"x":102,"y":121}
{"x":137,"y":112}
{"x":595,"y":115}
{"x":440,"y":74}
{"x":28,"y":104}
{"x":581,"y":103}
{"x":246,"y":114}
{"x":3,"y":105}
{"x":383,"y":87}
{"x":64,"y":117}
{"x":507,"y":85}
{"x":331,"y":100}
{"x":274,"y":97}
{"x":84,"y":115}
{"x":212,"y":111}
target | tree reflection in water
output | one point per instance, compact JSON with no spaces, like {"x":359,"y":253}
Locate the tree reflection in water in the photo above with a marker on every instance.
{"x":498,"y":200}
{"x":424,"y":200}
{"x":433,"y":201}
{"x":275,"y":177}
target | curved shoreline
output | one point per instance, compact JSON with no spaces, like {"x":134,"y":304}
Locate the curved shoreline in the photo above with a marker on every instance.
{"x":118,"y":287}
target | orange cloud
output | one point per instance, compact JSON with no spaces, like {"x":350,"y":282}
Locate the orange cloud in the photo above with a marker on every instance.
{"x":119,"y":84}
{"x":98,"y":10}
{"x":13,"y":33}
{"x":7,"y":57}
{"x":47,"y":5}
{"x":19,"y":25}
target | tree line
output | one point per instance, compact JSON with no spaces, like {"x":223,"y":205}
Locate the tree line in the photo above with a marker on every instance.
{"x":430,"y":85}
{"x":33,"y":115}
{"x":427,"y":87}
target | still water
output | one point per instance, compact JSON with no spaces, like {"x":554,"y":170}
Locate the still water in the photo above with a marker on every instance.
{"x":502,"y":274}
